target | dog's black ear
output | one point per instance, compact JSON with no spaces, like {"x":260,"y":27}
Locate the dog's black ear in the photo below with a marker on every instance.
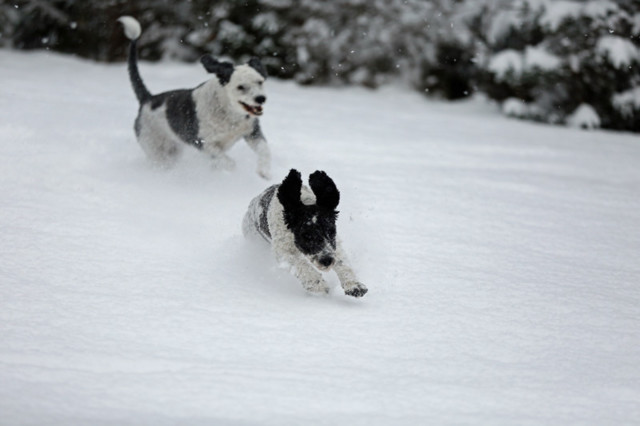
{"x":327,"y":194}
{"x":289,"y":191}
{"x":222,"y":70}
{"x":256,"y":64}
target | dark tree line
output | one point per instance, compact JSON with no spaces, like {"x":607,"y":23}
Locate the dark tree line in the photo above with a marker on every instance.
{"x":544,"y":60}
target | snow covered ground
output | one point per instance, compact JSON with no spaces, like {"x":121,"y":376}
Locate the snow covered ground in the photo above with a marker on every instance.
{"x":501,"y":258}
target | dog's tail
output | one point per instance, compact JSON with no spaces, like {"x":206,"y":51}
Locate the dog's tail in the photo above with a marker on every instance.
{"x":132,"y":30}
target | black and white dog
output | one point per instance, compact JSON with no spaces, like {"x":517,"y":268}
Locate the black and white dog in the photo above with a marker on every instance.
{"x":300,"y":224}
{"x":211,"y":117}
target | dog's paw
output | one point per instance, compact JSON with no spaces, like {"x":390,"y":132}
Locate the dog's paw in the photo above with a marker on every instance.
{"x":317,"y":287}
{"x":355,"y":289}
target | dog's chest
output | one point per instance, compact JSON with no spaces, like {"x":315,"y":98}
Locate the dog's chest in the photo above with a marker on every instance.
{"x":224,"y":129}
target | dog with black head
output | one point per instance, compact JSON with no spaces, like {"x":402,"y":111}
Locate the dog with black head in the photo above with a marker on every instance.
{"x":300,"y":224}
{"x":211,"y":117}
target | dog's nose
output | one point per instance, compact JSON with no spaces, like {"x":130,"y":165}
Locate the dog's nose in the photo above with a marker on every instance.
{"x":260,"y":99}
{"x":326,"y":261}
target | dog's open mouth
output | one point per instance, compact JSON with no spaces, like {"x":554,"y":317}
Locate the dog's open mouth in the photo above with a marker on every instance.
{"x":255,"y":110}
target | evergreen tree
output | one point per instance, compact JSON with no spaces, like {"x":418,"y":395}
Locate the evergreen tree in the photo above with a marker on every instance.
{"x":544,"y":59}
{"x":556,"y":57}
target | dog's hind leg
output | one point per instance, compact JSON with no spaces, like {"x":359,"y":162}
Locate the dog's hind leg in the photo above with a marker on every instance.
{"x":155,"y":137}
{"x":162,"y":149}
{"x":258,"y":144}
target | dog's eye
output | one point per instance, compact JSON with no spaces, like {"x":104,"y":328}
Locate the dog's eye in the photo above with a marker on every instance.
{"x":242,"y":88}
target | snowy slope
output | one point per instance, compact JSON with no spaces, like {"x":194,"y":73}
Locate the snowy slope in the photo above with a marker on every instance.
{"x":501,"y":259}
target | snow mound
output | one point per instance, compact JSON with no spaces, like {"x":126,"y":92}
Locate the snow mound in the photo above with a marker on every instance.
{"x":503,"y":22}
{"x":627,"y":102}
{"x":538,"y":58}
{"x":619,"y":51}
{"x":513,"y":63}
{"x":506,"y":62}
{"x":584,"y":117}
{"x":514,"y":107}
{"x":600,"y":8}
{"x":557,"y":11}
{"x":635,"y":20}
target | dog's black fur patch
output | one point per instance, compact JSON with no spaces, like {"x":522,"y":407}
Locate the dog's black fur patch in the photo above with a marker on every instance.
{"x":181,"y":113}
{"x":137,"y":127}
{"x":222,"y":70}
{"x":265,"y":201}
{"x":256,"y":133}
{"x":312,"y":225}
{"x":289,"y":191}
{"x":256,"y":64}
{"x":327,"y":195}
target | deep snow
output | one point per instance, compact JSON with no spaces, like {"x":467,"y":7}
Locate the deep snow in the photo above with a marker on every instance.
{"x":501,"y":258}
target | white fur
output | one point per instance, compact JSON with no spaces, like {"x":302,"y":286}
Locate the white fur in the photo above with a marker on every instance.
{"x":132,"y":27}
{"x":245,"y":76}
{"x":288,"y":255}
{"x":156,"y":138}
{"x":221,"y":121}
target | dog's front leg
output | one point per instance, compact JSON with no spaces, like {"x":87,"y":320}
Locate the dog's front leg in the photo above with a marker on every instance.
{"x":219,"y":159}
{"x":348,"y":280}
{"x":310,"y":278}
{"x":258,"y":144}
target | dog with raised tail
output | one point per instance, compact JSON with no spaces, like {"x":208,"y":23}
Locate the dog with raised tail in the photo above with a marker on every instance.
{"x":300,"y":224}
{"x":211,"y":117}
